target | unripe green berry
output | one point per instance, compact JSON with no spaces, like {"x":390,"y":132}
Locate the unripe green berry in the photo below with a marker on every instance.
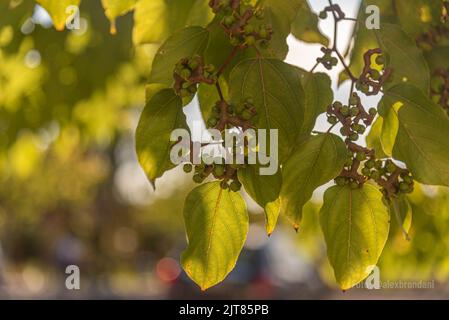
{"x":353,"y":185}
{"x":323,"y":15}
{"x":366,"y":172}
{"x":332,"y":120}
{"x":185,"y":74}
{"x":219,"y":170}
{"x":354,"y":111}
{"x":228,"y":21}
{"x":354,"y":136}
{"x":361,"y":156}
{"x":380,"y":60}
{"x":235,"y":186}
{"x":390,"y":167}
{"x":375,"y":74}
{"x":234,"y":42}
{"x":372,"y":111}
{"x":370,"y":164}
{"x":250,"y":40}
{"x":378,"y":165}
{"x":224,"y":185}
{"x":212,"y":122}
{"x":248,"y":29}
{"x":344,"y":110}
{"x":404,"y":187}
{"x":187,"y":168}
{"x":184,"y":93}
{"x":333,"y":61}
{"x":408,"y":179}
{"x":193,"y":64}
{"x":337,"y":105}
{"x":375,"y":175}
{"x":353,"y":101}
{"x":361,"y":129}
{"x":198,"y":178}
{"x":341,"y":181}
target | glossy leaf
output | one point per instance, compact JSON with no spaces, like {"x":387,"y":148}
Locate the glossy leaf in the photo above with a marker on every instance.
{"x":421,"y":137}
{"x":264,"y":190}
{"x":314,"y":162}
{"x":161,"y":115}
{"x":278,"y":96}
{"x":216,"y":223}
{"x":184,"y":43}
{"x":355,"y":224}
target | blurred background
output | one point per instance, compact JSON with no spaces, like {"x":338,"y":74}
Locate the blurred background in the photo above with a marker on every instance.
{"x":72,"y":192}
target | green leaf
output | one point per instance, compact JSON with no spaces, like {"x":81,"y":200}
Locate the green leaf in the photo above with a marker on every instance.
{"x":161,"y":115}
{"x":421,"y":137}
{"x":314,"y":162}
{"x":403,"y":213}
{"x":156,"y":20}
{"x":318,"y":95}
{"x":208,"y":96}
{"x":355,"y":225}
{"x":404,"y":57}
{"x":184,"y":43}
{"x":305,"y":26}
{"x":418,"y":16}
{"x":264,"y":190}
{"x":373,"y":140}
{"x":116,"y":8}
{"x":278,"y":96}
{"x":216,"y":223}
{"x":57,"y":10}
{"x":280,"y":14}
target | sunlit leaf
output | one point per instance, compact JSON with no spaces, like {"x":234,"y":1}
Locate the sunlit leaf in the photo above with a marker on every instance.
{"x":182,"y":44}
{"x":406,"y":60}
{"x":156,"y":20}
{"x":355,"y":224}
{"x":278,"y":96}
{"x":161,"y":115}
{"x":421,"y":136}
{"x":216,"y":223}
{"x":264,"y":190}
{"x":313,"y":163}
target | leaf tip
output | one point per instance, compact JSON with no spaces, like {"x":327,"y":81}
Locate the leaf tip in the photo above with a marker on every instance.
{"x":153,"y":183}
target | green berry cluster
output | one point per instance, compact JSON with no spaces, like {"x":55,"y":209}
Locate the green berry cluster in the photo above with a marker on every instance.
{"x":243,"y":22}
{"x":350,"y":117}
{"x":226,"y":173}
{"x":189,"y":72}
{"x":225,"y":115}
{"x":327,"y":60}
{"x":440,"y":88}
